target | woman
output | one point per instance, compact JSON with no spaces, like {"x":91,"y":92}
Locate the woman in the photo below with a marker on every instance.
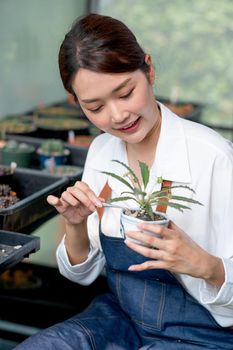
{"x":178,"y":296}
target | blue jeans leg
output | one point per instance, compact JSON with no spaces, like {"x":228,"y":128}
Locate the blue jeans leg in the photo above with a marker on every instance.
{"x":102,"y":326}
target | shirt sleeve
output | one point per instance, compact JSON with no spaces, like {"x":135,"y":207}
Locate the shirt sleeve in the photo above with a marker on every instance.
{"x":84,"y":273}
{"x":211,"y":295}
{"x":89,"y":270}
{"x":222,"y":218}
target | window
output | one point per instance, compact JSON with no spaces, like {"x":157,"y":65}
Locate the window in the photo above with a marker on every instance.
{"x":30,"y":34}
{"x":192,"y":47}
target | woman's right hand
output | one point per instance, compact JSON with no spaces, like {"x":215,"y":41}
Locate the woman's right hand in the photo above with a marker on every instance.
{"x":76,"y":203}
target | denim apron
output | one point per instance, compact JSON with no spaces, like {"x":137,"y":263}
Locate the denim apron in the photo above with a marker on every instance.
{"x":143,"y":310}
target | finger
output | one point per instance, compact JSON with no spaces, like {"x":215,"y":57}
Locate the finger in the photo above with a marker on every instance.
{"x":160,"y":230}
{"x":52,"y":200}
{"x":82,"y":186}
{"x":76,"y":197}
{"x":57,"y":203}
{"x":148,"y":252}
{"x":165,"y":232}
{"x":147,"y":239}
{"x":70,"y":199}
{"x":148,"y":265}
{"x":173,"y":226}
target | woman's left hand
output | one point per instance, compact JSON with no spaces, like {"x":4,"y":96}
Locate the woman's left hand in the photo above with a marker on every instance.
{"x":175,"y":251}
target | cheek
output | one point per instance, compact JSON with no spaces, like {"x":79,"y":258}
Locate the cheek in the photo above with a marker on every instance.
{"x":138,"y":107}
{"x":141,"y":102}
{"x":98,"y":120}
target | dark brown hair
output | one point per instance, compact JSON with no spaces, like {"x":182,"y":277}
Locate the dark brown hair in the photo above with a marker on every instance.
{"x":101,"y":44}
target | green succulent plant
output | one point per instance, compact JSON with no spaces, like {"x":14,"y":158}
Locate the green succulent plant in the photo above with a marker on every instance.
{"x":52,"y":147}
{"x":18,"y":147}
{"x":137,"y":191}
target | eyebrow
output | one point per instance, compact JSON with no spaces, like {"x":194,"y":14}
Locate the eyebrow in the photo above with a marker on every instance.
{"x":119,"y":87}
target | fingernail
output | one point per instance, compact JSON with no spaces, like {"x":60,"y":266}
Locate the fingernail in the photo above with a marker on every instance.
{"x":98,"y":203}
{"x":131,"y":268}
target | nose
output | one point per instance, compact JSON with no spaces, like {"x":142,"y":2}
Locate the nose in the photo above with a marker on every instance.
{"x":117,"y":114}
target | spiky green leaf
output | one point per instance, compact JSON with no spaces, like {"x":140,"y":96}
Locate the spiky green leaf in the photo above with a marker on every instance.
{"x":135,"y":178}
{"x":149,"y":210}
{"x":178,"y":206}
{"x":120,"y":199}
{"x":185,"y":199}
{"x":145,"y":172}
{"x":119,"y":178}
{"x":159,"y":194}
{"x":179,"y":186}
{"x":136,"y":192}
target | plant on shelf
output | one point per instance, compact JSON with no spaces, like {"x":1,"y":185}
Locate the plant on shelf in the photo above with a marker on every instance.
{"x":52,"y":147}
{"x":19,"y":152}
{"x":52,"y":150}
{"x":144,"y":200}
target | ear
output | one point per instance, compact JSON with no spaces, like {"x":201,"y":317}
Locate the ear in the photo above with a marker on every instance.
{"x":151,"y":71}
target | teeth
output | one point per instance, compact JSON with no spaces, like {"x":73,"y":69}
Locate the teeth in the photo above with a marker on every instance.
{"x":127,"y":127}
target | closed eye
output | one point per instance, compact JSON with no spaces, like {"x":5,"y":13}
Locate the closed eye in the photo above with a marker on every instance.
{"x":127,"y":95}
{"x":96,"y":110}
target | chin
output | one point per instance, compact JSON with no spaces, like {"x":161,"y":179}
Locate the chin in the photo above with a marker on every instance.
{"x":133,"y":139}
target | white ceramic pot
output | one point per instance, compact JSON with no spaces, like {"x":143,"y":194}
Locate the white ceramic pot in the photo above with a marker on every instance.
{"x":129,"y":223}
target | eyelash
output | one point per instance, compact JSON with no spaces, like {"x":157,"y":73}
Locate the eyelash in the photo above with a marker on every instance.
{"x":95,"y":110}
{"x":128,"y":94}
{"x":122,"y":97}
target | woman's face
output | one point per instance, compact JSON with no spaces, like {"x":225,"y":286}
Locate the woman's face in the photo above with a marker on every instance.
{"x":120,"y":104}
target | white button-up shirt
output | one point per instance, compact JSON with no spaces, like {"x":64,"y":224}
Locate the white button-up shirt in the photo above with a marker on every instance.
{"x":188,"y":154}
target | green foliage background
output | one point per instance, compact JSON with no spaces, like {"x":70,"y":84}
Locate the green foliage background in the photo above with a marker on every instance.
{"x":191,"y":43}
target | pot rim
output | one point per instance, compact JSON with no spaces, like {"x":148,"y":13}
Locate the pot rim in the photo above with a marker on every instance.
{"x":133,"y":219}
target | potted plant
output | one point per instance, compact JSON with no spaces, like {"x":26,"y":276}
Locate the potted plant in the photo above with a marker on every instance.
{"x":18,"y":125}
{"x":19,"y":152}
{"x":52,"y":152}
{"x":146,"y":201}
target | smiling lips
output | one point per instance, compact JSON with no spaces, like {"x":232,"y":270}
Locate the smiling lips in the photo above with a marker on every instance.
{"x":131,"y":127}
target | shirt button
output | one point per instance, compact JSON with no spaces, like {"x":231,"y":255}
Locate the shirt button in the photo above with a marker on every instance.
{"x":179,"y":341}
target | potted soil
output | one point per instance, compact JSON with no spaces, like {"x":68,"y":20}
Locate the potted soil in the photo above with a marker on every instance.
{"x":7,"y":196}
{"x":18,"y":152}
{"x":6,"y":172}
{"x":146,"y":200}
{"x":52,"y":152}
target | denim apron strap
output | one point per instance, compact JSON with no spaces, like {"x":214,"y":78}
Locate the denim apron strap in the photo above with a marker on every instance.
{"x":166,"y":188}
{"x":105,"y":194}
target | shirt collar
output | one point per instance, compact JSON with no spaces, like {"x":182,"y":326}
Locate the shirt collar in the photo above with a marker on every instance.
{"x":172,"y":161}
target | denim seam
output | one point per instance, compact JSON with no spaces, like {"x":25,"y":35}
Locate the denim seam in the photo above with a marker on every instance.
{"x":160,"y":309}
{"x":88,"y":333}
{"x":161,"y":305}
{"x":145,"y":325}
{"x":118,"y":288}
{"x":143,"y":301}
